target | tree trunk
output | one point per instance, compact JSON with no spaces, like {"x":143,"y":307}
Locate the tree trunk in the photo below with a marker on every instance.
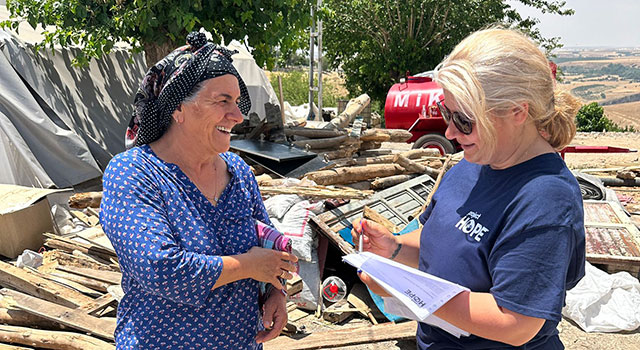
{"x":386,"y":182}
{"x":154,"y":52}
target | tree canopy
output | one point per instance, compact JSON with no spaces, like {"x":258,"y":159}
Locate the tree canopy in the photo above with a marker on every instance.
{"x":158,"y":26}
{"x":376,"y":42}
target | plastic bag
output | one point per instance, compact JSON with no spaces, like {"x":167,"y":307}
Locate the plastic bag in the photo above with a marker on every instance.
{"x":29,"y":258}
{"x":601,"y":302}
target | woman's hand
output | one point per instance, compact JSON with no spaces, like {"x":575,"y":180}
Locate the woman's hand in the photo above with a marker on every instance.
{"x":267,"y":265}
{"x":373,"y":286}
{"x":377,"y":239}
{"x":274,"y":316}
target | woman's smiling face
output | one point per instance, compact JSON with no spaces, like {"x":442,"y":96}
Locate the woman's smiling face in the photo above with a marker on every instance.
{"x":213,"y":113}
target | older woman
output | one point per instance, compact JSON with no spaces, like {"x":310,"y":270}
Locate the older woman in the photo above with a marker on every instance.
{"x":507,"y":221}
{"x":181,"y":213}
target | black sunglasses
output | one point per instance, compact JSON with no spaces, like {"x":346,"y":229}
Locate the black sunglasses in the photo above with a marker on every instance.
{"x":461,"y":121}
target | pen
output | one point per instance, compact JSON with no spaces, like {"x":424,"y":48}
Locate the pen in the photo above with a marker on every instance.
{"x":360,"y":238}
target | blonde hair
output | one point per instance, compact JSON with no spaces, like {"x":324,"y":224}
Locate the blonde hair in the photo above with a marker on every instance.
{"x":495,"y":70}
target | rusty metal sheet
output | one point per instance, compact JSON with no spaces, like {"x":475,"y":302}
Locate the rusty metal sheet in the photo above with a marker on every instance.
{"x":611,"y":236}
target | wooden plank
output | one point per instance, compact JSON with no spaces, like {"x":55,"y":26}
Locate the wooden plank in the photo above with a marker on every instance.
{"x":76,"y":319}
{"x":345,"y":337}
{"x":57,"y":242}
{"x":86,"y":219}
{"x":67,"y":283}
{"x":85,"y":281}
{"x":294,"y":285}
{"x":45,"y":339}
{"x":12,"y":347}
{"x":27,"y":282}
{"x":99,"y":304}
{"x":110,"y":277}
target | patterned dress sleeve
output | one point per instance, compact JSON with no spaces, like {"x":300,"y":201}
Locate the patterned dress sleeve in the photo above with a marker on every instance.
{"x":133,"y":215}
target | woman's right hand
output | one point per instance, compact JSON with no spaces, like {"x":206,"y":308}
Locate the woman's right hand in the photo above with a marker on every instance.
{"x":267,"y":265}
{"x":377,"y":239}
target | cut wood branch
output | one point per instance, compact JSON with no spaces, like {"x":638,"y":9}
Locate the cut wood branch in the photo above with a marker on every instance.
{"x":374,"y":216}
{"x":413,"y":167}
{"x":395,"y":135}
{"x":354,"y":174}
{"x":386,"y":182}
{"x":313,"y":133}
{"x":321,"y":143}
{"x":316,"y":192}
{"x":374,"y":135}
{"x":76,"y":319}
{"x":345,"y":337}
{"x":353,"y":108}
{"x":51,"y":339}
{"x":367,"y":145}
{"x":85,"y":199}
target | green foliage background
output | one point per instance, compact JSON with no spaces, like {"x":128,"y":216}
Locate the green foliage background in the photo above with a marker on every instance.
{"x":295,"y":88}
{"x":591,"y":117}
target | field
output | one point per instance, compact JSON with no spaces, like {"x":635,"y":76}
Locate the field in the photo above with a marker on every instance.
{"x":604,"y":76}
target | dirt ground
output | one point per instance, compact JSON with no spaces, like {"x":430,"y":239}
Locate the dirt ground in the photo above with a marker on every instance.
{"x":571,"y":335}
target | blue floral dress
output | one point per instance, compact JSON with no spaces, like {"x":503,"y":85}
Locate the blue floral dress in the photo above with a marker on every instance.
{"x":169,"y":239}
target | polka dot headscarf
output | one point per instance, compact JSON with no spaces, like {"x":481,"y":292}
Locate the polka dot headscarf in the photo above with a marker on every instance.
{"x":171,"y":80}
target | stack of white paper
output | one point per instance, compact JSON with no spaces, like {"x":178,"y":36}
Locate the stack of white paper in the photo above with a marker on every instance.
{"x":416,"y":294}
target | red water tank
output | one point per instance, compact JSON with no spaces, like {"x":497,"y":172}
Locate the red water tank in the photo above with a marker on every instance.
{"x":411,"y":105}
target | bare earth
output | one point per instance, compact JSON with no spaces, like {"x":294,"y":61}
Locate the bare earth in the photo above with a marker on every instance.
{"x":570,"y":334}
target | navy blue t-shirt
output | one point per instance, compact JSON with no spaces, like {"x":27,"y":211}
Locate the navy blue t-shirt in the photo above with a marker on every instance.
{"x":517,"y":233}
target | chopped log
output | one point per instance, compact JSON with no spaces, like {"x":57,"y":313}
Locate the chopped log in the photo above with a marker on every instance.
{"x":27,"y":282}
{"x":75,"y":319}
{"x":51,"y":339}
{"x":85,"y":281}
{"x":342,"y":152}
{"x":421,"y":152}
{"x":626,"y":174}
{"x":353,"y":108}
{"x":316,"y":192}
{"x":110,"y":277}
{"x":330,"y":142}
{"x":313,"y":133}
{"x":395,"y":135}
{"x":367,"y":145}
{"x":373,"y":215}
{"x":86,"y":199}
{"x":354,"y":174}
{"x":386,"y":182}
{"x":413,"y":167}
{"x":345,"y":337}
{"x":374,"y":135}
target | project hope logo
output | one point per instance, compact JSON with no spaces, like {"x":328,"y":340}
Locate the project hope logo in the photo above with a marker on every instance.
{"x":469,"y":225}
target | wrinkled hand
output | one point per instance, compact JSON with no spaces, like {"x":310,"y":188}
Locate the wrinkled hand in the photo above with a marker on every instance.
{"x":267,"y":265}
{"x":274,"y":316}
{"x":377,"y":239}
{"x":373,"y":286}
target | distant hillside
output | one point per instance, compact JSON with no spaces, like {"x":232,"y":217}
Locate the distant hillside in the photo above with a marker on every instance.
{"x":625,"y":99}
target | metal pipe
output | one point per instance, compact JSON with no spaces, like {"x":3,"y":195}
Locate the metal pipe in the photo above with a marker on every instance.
{"x":312,"y":33}
{"x":319,"y":40}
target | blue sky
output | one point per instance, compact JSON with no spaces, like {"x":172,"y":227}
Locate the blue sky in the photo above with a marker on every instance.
{"x":612,"y":23}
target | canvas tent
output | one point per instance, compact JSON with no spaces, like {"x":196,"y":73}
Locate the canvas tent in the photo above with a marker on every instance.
{"x":60,"y":125}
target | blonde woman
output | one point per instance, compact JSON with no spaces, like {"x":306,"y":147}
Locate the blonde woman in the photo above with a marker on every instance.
{"x":507,"y":221}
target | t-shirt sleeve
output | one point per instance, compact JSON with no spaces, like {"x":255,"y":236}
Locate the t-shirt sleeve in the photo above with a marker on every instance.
{"x":133,"y":215}
{"x":529,"y":270}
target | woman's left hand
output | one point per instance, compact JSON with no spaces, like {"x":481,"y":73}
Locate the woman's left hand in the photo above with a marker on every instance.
{"x":274,"y":316}
{"x":373,"y":286}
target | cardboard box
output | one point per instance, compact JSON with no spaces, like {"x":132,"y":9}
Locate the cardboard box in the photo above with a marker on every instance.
{"x":24,"y":217}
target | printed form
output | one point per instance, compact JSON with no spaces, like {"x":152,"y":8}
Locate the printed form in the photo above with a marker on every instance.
{"x":416,"y":294}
